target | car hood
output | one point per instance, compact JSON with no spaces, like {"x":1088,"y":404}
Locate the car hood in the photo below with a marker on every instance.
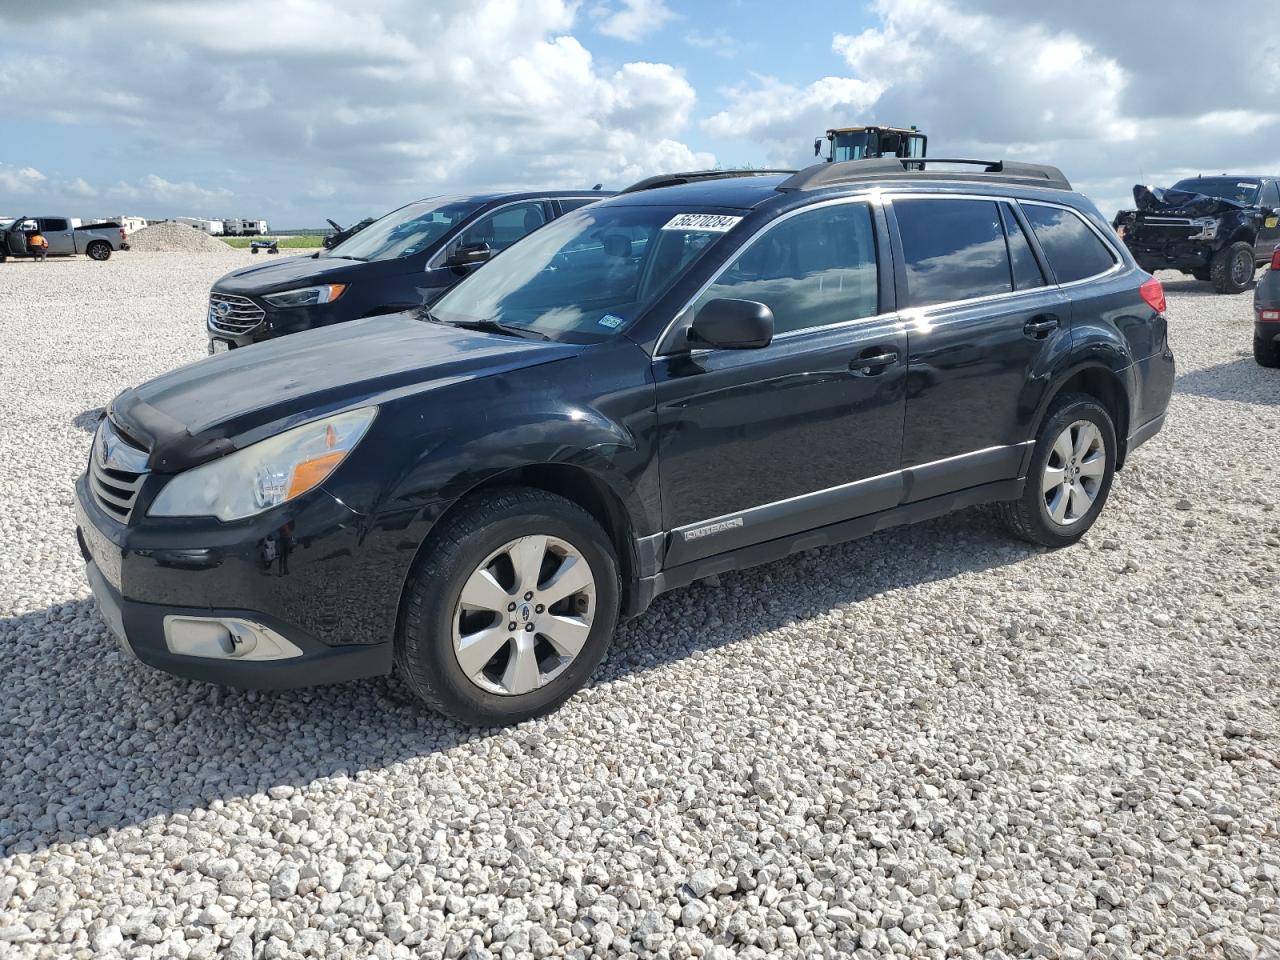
{"x":208,"y":408}
{"x":292,"y":272}
{"x":1181,"y":202}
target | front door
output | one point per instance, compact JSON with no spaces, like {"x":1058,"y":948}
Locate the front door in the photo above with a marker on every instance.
{"x":760,"y":444}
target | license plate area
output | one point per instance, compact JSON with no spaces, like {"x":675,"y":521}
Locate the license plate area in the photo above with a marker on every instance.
{"x":105,"y":554}
{"x":217,"y":345}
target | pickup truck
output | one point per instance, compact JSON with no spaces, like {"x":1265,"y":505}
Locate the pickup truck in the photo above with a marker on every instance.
{"x":97,"y":241}
{"x":1217,"y":229}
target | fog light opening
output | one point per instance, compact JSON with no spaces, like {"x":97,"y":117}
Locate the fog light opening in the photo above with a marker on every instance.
{"x":225,"y":638}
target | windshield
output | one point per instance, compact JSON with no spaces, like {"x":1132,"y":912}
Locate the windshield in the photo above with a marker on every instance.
{"x":404,"y":232}
{"x":851,"y":146}
{"x":1224,"y":188}
{"x":587,"y":275}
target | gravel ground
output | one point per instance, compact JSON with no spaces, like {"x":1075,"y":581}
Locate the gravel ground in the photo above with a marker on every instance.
{"x":933,"y":743}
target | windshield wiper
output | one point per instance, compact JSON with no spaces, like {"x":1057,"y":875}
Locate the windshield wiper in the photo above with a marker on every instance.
{"x":493,"y":326}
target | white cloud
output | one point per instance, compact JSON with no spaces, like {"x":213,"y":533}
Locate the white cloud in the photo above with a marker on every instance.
{"x":1090,"y":86}
{"x":363,"y":107}
{"x":632,"y":20}
{"x":19,"y":180}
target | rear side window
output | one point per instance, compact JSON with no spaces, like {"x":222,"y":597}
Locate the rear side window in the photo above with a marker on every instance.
{"x":1026,"y":272}
{"x":1074,"y":251}
{"x":53,"y":225}
{"x":954,"y":250}
{"x":814,"y":269}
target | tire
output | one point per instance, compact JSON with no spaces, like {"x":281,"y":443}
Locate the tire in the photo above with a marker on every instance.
{"x":1266,"y":352}
{"x":1029,"y":517}
{"x":1203,"y":274}
{"x":99,"y":250}
{"x":1233,"y":268}
{"x":473,"y":541}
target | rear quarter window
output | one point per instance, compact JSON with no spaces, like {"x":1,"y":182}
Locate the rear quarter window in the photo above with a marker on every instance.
{"x":1073,"y":250}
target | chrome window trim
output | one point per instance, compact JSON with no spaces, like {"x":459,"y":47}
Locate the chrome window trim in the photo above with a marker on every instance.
{"x":436,"y":261}
{"x":747,"y":511}
{"x":870,"y":200}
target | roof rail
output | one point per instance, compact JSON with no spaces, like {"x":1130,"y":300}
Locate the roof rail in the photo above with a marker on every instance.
{"x":694,"y":176}
{"x":912,"y":168}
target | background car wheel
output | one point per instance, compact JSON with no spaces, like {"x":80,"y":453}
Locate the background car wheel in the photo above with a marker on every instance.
{"x":99,"y":250}
{"x":1070,"y":475}
{"x":1266,"y":352}
{"x":1204,"y":275}
{"x":509,"y":608}
{"x":1233,"y":268}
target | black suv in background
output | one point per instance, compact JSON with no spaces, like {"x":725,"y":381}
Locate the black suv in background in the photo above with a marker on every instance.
{"x":403,"y":260}
{"x":1217,"y":229}
{"x":1266,"y":315}
{"x":671,"y":383}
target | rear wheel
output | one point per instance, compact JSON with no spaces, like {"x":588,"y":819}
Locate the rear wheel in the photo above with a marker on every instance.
{"x":1070,"y":475}
{"x":1233,"y":268}
{"x":1266,"y":352}
{"x":99,"y":250}
{"x":510,"y":608}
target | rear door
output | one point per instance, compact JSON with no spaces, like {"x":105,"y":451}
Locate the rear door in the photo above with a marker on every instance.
{"x":982,"y":318}
{"x":58,"y":232}
{"x":1269,"y":233}
{"x":762,"y":444}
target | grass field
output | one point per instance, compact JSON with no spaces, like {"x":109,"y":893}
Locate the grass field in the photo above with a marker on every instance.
{"x":293,"y":243}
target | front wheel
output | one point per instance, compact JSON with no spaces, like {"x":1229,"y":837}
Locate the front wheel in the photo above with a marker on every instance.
{"x":509,"y":609}
{"x":99,"y":250}
{"x":1071,"y":470}
{"x":1233,"y":268}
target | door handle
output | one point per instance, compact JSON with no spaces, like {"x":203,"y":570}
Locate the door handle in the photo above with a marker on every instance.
{"x":1039,"y":327}
{"x":873,"y":361}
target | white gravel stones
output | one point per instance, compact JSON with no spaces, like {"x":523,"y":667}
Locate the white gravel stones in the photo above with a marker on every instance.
{"x":171,"y":237}
{"x":933,"y":743}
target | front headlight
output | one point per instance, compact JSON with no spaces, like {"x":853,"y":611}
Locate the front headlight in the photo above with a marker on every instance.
{"x":1208,"y":228}
{"x":265,"y":474}
{"x":307,"y":296}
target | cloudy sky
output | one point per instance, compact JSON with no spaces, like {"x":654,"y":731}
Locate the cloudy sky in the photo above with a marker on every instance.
{"x":296,"y":110}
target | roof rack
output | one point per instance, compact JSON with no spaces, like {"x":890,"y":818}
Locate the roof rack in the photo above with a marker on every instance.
{"x":899,"y":168}
{"x":694,"y":176}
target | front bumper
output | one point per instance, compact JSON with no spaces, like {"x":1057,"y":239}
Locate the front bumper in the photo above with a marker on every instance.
{"x":298,"y":577}
{"x":1185,"y":255}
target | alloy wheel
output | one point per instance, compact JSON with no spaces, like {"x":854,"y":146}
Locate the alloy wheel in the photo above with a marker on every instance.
{"x":1074,"y":472}
{"x":523,"y":615}
{"x":1242,"y":268}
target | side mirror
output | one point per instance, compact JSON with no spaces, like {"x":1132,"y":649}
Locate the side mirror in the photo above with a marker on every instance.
{"x":732,"y":325}
{"x":467,"y":254}
{"x":817,"y":146}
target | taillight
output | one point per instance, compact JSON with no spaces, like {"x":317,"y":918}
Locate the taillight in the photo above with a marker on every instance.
{"x":1153,"y":293}
{"x":1269,"y":316}
{"x":1275,"y":260}
{"x":122,"y":234}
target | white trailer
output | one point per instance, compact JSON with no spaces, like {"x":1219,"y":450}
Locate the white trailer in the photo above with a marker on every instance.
{"x":212,"y":227}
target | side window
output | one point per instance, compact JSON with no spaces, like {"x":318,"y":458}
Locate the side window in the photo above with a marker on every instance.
{"x":814,"y":269}
{"x":504,"y":227}
{"x":1271,"y":195}
{"x":1075,"y":252}
{"x":954,"y":250}
{"x":53,"y":226}
{"x":573,"y":203}
{"x":1026,"y":272}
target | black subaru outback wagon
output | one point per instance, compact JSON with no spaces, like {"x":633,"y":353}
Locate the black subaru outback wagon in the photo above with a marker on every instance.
{"x":681,"y":380}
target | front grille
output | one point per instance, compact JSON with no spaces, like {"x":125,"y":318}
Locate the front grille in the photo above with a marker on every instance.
{"x":235,"y":315}
{"x":1164,"y":228}
{"x":116,"y":471}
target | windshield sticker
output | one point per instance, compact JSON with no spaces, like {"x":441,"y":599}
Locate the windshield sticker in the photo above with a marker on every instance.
{"x":610,"y":321}
{"x":705,"y":222}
